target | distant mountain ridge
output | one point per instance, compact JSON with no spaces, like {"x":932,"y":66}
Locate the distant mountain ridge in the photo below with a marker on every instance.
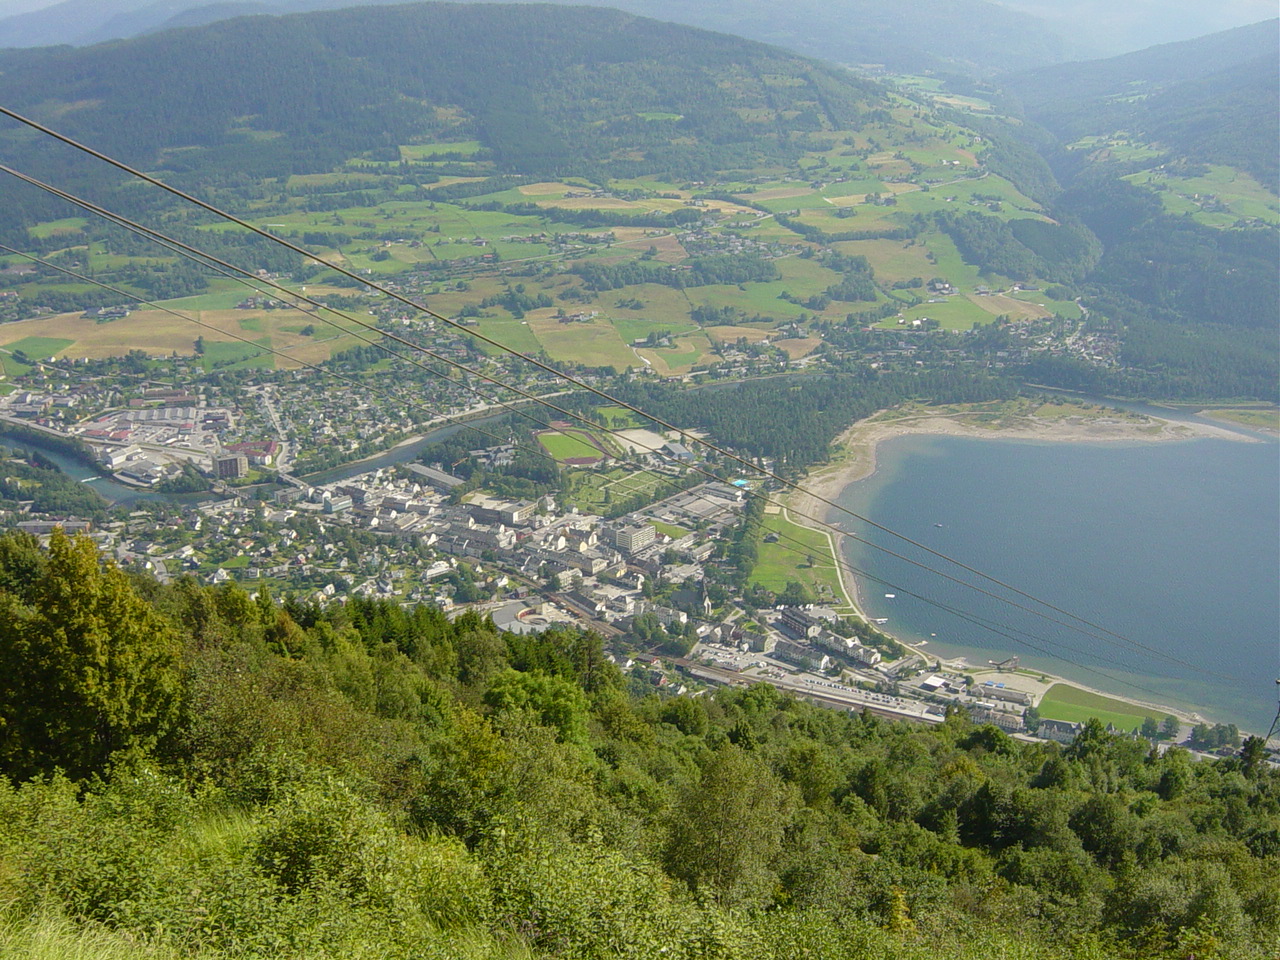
{"x":1114,"y":28}
{"x":85,"y":21}
{"x":199,"y":16}
{"x":546,"y":89}
{"x":1048,"y":87}
{"x":1212,"y":100}
{"x":967,"y":36}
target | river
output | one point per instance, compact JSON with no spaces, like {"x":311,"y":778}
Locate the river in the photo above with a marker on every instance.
{"x":123,"y":494}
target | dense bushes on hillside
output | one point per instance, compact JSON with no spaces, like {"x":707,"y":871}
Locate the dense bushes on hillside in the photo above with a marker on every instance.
{"x":367,"y":780}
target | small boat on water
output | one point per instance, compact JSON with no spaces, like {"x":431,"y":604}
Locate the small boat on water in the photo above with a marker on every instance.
{"x":890,"y":596}
{"x":937,"y":524}
{"x":880,"y":620}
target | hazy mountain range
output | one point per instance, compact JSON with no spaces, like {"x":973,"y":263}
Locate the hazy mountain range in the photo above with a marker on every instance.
{"x":969,"y":35}
{"x":973,"y":36}
{"x":1112,"y":28}
{"x":1213,"y":99}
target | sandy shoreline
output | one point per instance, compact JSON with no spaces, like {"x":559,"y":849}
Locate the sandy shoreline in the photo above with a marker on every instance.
{"x":856,"y":460}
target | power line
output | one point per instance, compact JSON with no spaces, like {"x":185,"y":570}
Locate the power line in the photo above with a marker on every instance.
{"x":996,"y":628}
{"x":979,"y":621}
{"x":496,"y":381}
{"x":279,"y":353}
{"x":987,"y":625}
{"x":546,"y":367}
{"x":254,"y":282}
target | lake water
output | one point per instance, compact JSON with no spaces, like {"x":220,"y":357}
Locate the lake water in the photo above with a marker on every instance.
{"x":1175,"y":546}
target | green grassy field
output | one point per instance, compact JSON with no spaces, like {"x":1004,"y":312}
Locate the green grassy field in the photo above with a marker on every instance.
{"x":632,"y":328}
{"x":596,"y":491}
{"x":974,"y":104}
{"x":39,"y":348}
{"x":852,"y":186}
{"x":240,"y":356}
{"x":659,"y":305}
{"x":1065,"y":702}
{"x":892,"y":260}
{"x":954,"y":313}
{"x":800,"y":277}
{"x":677,"y":360}
{"x":948,"y":263}
{"x":426,"y":151}
{"x":568,"y":444}
{"x":34,"y":292}
{"x":619,"y":418}
{"x":1062,"y":308}
{"x":231,"y":563}
{"x":769,"y":230}
{"x":1117,"y":147}
{"x":595,"y":343}
{"x":514,"y":334}
{"x":990,"y":186}
{"x":1263,"y":419}
{"x":445,"y":230}
{"x":51,"y":228}
{"x":789,"y":559}
{"x":670,"y":529}
{"x":221,"y":295}
{"x":1220,"y":198}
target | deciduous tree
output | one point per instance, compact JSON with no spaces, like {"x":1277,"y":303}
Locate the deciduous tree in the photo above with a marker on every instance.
{"x":87,"y":667}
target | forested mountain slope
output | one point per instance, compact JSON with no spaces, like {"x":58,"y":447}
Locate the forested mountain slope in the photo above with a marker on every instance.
{"x":548,"y":89}
{"x":244,"y":779}
{"x":1211,"y":100}
{"x":1168,"y":156}
{"x":1160,"y":65}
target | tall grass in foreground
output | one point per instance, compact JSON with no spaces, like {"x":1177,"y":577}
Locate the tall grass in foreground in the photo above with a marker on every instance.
{"x":52,"y":937}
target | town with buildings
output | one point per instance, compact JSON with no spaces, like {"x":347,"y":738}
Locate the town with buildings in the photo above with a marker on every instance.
{"x":230,"y":466}
{"x":402,"y":534}
{"x":242,"y":449}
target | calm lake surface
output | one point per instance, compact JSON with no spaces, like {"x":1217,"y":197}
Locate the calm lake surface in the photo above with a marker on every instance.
{"x":1175,"y":546}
